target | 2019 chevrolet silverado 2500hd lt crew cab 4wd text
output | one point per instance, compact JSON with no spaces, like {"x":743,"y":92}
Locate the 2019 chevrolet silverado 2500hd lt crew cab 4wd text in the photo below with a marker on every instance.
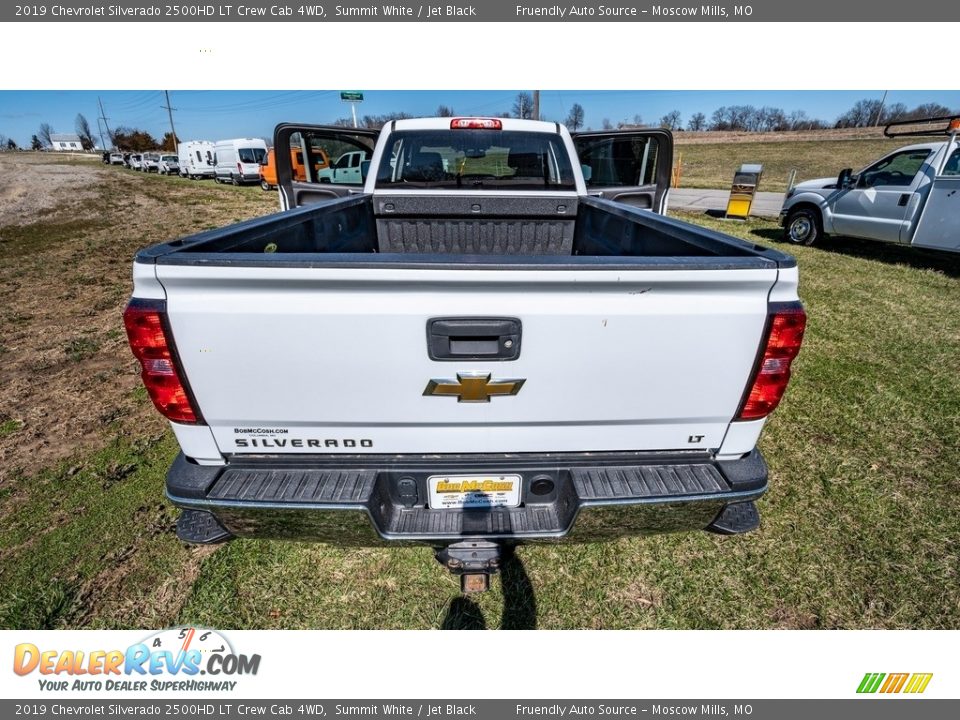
{"x":494,"y":339}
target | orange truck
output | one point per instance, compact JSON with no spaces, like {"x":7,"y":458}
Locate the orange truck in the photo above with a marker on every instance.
{"x":268,"y":172}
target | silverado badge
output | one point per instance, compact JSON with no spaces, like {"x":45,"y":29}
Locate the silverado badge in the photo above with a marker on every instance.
{"x":473,"y":387}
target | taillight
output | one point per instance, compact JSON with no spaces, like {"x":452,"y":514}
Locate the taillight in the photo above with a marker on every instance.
{"x":152,"y":345}
{"x":474,"y":123}
{"x":784,"y":334}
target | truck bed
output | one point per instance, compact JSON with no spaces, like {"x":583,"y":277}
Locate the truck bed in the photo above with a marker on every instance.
{"x":561,"y":231}
{"x":642,"y":336}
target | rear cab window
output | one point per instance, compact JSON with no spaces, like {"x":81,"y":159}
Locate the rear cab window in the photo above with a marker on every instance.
{"x":952,"y":166}
{"x":473,"y":159}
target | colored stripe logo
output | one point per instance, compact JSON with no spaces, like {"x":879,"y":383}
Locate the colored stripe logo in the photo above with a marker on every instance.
{"x":913,"y":683}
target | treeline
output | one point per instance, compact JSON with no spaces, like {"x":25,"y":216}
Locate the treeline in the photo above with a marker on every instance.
{"x":743,"y":118}
{"x":871,"y":112}
{"x":124,"y":138}
{"x":747,"y":118}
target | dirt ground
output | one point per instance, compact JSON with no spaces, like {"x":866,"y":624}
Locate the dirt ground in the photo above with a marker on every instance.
{"x":68,"y":233}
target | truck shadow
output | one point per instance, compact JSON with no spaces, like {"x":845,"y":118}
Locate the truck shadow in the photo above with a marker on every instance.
{"x":947,"y":263}
{"x":519,"y":602}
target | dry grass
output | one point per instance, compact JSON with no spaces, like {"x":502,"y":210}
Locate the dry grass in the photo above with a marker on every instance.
{"x":711,"y":165}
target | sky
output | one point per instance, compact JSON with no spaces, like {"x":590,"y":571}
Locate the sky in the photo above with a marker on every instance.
{"x":219,"y":114}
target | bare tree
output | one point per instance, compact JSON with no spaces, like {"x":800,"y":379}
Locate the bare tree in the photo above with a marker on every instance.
{"x":638,"y":120}
{"x":46,"y":130}
{"x":927,"y":110}
{"x":798,"y":120}
{"x":35,"y":143}
{"x":3,"y":141}
{"x":771,"y":119}
{"x":445,"y":111}
{"x":574,"y":120}
{"x":607,"y":125}
{"x":523,"y":106}
{"x":86,"y":134}
{"x":894,"y":112}
{"x":862,"y":114}
{"x":697,"y":122}
{"x":670,"y":121}
{"x":11,"y":144}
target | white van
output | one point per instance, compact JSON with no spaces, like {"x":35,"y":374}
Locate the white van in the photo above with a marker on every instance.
{"x":239,"y":160}
{"x":196,"y":159}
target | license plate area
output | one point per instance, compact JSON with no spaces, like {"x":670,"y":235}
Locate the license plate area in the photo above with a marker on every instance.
{"x":455,"y":492}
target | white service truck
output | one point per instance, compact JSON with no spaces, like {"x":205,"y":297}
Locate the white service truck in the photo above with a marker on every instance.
{"x":517,"y":348}
{"x":910,"y":196}
{"x":348,"y":169}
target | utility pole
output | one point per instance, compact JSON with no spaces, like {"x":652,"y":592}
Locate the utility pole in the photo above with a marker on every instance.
{"x":103,"y":116}
{"x":173,"y":133}
{"x":100,"y":132}
{"x":880,"y":109}
{"x":536,"y":104}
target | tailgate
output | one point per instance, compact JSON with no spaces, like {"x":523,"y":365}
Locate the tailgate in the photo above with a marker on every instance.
{"x":336,"y":360}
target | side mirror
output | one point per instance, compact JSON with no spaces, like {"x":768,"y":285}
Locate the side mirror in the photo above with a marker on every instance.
{"x":845,"y":179}
{"x":587,"y":172}
{"x":364,"y":170}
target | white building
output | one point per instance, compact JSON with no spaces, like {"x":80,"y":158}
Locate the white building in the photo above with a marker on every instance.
{"x":66,"y":142}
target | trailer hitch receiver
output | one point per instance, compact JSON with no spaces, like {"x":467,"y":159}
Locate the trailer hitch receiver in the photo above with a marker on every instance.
{"x":474,"y":561}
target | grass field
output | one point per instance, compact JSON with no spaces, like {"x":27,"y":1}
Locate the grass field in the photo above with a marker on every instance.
{"x":711,"y":165}
{"x":860,"y":529}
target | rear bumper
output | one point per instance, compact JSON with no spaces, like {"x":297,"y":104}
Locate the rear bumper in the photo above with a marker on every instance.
{"x":361,"y":500}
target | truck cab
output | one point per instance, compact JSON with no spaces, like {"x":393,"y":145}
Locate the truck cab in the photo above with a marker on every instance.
{"x":151,"y":162}
{"x":168,"y":164}
{"x":908,"y":196}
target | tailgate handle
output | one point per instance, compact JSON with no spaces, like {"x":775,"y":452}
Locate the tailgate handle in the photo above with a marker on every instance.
{"x":494,"y":339}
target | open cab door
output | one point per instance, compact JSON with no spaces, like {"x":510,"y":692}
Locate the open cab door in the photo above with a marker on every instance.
{"x":628,"y":166}
{"x":321,"y":162}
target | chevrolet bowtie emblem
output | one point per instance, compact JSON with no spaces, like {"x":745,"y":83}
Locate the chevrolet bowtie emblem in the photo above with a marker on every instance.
{"x":473,"y":387}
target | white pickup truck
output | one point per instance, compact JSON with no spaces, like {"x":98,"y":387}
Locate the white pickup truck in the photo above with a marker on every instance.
{"x":516,"y":348}
{"x":910,"y":196}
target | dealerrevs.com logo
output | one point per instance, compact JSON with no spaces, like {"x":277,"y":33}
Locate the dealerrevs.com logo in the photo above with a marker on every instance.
{"x":179,"y":659}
